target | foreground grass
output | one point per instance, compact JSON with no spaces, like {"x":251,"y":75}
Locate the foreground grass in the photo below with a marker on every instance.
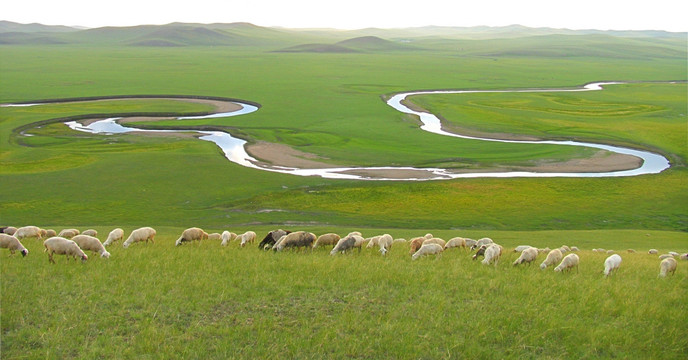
{"x":157,"y":301}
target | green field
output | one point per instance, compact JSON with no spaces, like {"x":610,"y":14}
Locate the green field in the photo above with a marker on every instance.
{"x":324,"y":96}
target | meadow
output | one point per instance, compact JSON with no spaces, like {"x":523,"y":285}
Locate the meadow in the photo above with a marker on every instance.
{"x":204,"y":301}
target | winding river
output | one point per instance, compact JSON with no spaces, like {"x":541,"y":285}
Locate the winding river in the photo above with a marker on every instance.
{"x":234,"y":148}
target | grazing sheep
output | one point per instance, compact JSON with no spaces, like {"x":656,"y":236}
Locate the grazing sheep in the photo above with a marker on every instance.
{"x":673,"y":253}
{"x":470,"y":243}
{"x":610,"y":251}
{"x":359,"y":242}
{"x":214,"y":236}
{"x":357,"y":233}
{"x":271,"y":238}
{"x":227,"y":236}
{"x":247,"y":238}
{"x":385,"y":243}
{"x":90,"y":232}
{"x":667,"y":265}
{"x":115,"y":235}
{"x":50,"y":233}
{"x":437,"y":241}
{"x":12,"y":244}
{"x":427,"y":249}
{"x":567,"y":263}
{"x":140,"y":234}
{"x":344,"y":245}
{"x":520,"y":248}
{"x":481,"y":242}
{"x":455,"y":243}
{"x":527,"y":256}
{"x":564,"y":249}
{"x":611,"y":263}
{"x":631,"y":251}
{"x":296,"y":239}
{"x":545,"y":250}
{"x":87,"y":242}
{"x":415,"y":244}
{"x":191,"y":234}
{"x":326,"y":239}
{"x":28,"y":232}
{"x":480,"y":252}
{"x":69,"y":233}
{"x":553,"y":257}
{"x":665,"y":256}
{"x":61,"y":246}
{"x":372,"y":241}
{"x":653,"y":251}
{"x":492,"y":254}
{"x":600,"y":250}
{"x":684,"y":256}
{"x":428,"y":236}
{"x":9,"y":230}
{"x":399,"y":240}
{"x":575,"y":248}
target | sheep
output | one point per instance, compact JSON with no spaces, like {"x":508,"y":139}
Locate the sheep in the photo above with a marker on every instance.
{"x":399,"y":240}
{"x":61,"y":246}
{"x":50,"y":233}
{"x":140,"y":234}
{"x":600,"y":250}
{"x":428,"y":236}
{"x":653,"y":251}
{"x":684,"y":256}
{"x":437,"y":241}
{"x":564,"y":249}
{"x":553,"y":257}
{"x":427,"y":249}
{"x":227,"y":236}
{"x":357,"y":233}
{"x":631,"y":251}
{"x":343,"y":245}
{"x":191,"y":234}
{"x":271,"y":238}
{"x":667,"y":265}
{"x":470,"y":243}
{"x":68,"y":233}
{"x":29,"y":231}
{"x":372,"y":241}
{"x":611,"y":263}
{"x":214,"y":236}
{"x":569,"y":261}
{"x":575,"y":248}
{"x":665,"y":256}
{"x":115,"y":235}
{"x":12,"y":244}
{"x":415,"y":244}
{"x":481,"y":242}
{"x":480,"y":252}
{"x":527,"y":256}
{"x":247,"y":238}
{"x":326,"y":239}
{"x":90,"y":232}
{"x":455,"y":243}
{"x":277,"y":242}
{"x":296,"y":239}
{"x":9,"y":230}
{"x":520,"y":248}
{"x":545,"y":250}
{"x":359,"y":242}
{"x":87,"y":242}
{"x":673,"y":253}
{"x":492,"y":254}
{"x":385,"y":243}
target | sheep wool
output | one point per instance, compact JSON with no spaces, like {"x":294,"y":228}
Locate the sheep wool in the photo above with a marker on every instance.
{"x":455,"y":243}
{"x":567,"y":263}
{"x":437,"y":241}
{"x":139,"y":235}
{"x":9,"y":230}
{"x":87,"y":242}
{"x":528,"y":255}
{"x":667,"y":265}
{"x":68,"y":233}
{"x":191,"y":234}
{"x":520,"y":248}
{"x":553,"y":257}
{"x":481,"y":242}
{"x":492,"y":254}
{"x":61,"y":246}
{"x":343,"y":245}
{"x":246,"y":238}
{"x":114,"y":235}
{"x":427,"y":249}
{"x":385,"y":243}
{"x":611,"y":263}
{"x":326,"y":239}
{"x":50,"y":233}
{"x":12,"y":244}
{"x":90,"y":232}
{"x":28,"y":232}
{"x":271,"y":238}
{"x":415,"y":244}
{"x":296,"y":239}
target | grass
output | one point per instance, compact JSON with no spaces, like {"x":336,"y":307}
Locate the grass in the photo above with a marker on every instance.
{"x":158,"y":301}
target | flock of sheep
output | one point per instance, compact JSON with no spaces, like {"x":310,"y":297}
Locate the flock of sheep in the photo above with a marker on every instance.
{"x":72,"y":243}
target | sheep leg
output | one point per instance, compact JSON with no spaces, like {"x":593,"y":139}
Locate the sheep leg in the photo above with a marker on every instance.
{"x":50,"y":257}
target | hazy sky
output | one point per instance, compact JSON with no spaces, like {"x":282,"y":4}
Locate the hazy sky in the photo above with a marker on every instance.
{"x":355,"y":14}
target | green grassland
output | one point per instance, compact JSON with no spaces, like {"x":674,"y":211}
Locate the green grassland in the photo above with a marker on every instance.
{"x":158,"y":301}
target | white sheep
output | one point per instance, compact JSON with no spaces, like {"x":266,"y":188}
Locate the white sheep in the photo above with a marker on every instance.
{"x":611,"y":263}
{"x":631,"y":251}
{"x":673,"y":253}
{"x":427,"y":249}
{"x":492,"y":254}
{"x":359,"y":241}
{"x":575,"y":248}
{"x":385,"y":243}
{"x":191,"y":234}
{"x":9,"y":230}
{"x":115,"y":235}
{"x":415,"y":244}
{"x":470,"y":243}
{"x":665,"y":256}
{"x":326,"y":239}
{"x":61,"y":246}
{"x":564,"y":249}
{"x":399,"y":240}
{"x":344,"y":245}
{"x":610,"y":251}
{"x":227,"y":236}
{"x":684,"y":256}
{"x":141,"y":234}
{"x":90,"y":232}
{"x":12,"y":244}
{"x":214,"y":236}
{"x":553,"y":257}
{"x":50,"y":233}
{"x":544,"y":250}
{"x":372,"y":241}
{"x":87,"y":242}
{"x":28,"y":232}
{"x":68,"y":233}
{"x":428,"y":236}
{"x":437,"y":241}
{"x":296,"y":239}
{"x":567,"y":263}
{"x":667,"y":265}
{"x":528,"y":255}
{"x":653,"y":251}
{"x":520,"y":248}
{"x":481,"y":242}
{"x":246,"y":238}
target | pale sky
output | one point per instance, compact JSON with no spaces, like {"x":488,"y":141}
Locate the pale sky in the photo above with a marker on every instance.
{"x":669,"y":15}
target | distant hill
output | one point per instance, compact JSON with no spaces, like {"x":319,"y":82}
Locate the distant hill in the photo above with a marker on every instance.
{"x":354,"y":45}
{"x":9,"y":26}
